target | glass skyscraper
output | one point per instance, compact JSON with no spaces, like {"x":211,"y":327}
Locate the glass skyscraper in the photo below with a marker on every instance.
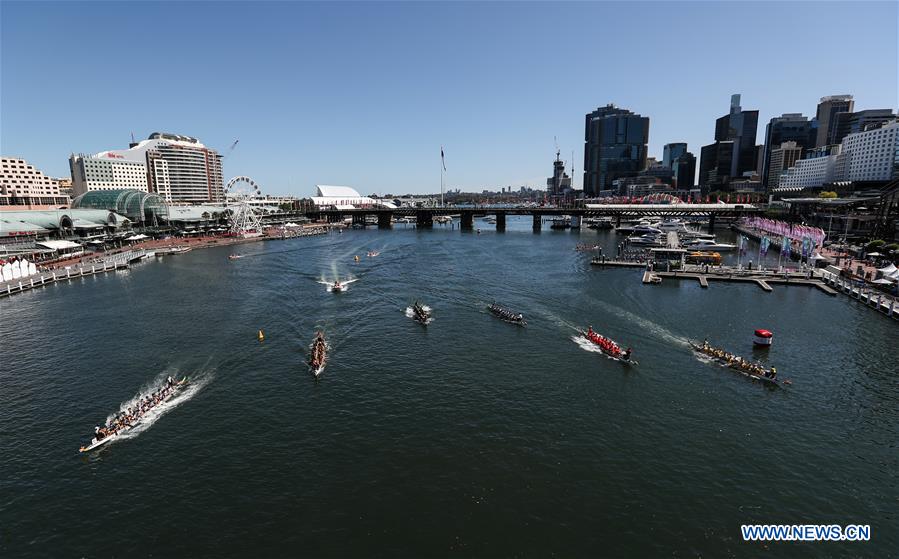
{"x":615,"y":145}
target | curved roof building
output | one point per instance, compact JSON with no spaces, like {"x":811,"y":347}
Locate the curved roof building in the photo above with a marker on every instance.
{"x":345,"y":198}
{"x":137,"y":205}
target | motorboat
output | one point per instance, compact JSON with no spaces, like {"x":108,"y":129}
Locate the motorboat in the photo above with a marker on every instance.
{"x":646,"y":240}
{"x":599,"y":223}
{"x":629,"y":229}
{"x":703,"y":257}
{"x":709,"y":245}
{"x":561,"y":222}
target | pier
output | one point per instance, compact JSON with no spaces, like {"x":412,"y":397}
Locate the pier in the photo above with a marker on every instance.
{"x":121,"y":261}
{"x":826,"y":281}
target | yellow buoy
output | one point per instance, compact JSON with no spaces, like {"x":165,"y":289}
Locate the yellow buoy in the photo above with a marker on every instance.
{"x":261,"y":335}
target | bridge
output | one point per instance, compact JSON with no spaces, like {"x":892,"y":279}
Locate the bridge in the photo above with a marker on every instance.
{"x":425,"y":216}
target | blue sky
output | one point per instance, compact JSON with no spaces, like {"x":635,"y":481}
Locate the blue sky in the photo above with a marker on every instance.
{"x":364,"y":94}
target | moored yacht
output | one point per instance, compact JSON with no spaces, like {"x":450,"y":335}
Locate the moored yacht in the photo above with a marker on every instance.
{"x":709,"y":245}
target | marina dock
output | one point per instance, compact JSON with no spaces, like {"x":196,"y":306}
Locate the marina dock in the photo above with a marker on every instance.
{"x":121,"y":261}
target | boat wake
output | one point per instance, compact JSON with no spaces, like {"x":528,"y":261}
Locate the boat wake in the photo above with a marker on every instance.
{"x":343,"y":284}
{"x":650,"y":326}
{"x":195,"y":383}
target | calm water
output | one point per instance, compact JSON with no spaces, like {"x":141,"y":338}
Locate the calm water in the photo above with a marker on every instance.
{"x":471,"y":437}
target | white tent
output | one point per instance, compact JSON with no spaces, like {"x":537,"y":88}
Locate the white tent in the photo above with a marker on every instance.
{"x":32,"y":269}
{"x":6,"y":271}
{"x":16,"y":271}
{"x":883,"y":281}
{"x":888,"y":269}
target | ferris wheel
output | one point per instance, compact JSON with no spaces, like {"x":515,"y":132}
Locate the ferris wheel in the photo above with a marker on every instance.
{"x":242,"y":187}
{"x":239,"y":194}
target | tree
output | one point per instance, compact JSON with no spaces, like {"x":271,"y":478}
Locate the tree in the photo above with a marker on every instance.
{"x":827,"y":194}
{"x":874,"y":245}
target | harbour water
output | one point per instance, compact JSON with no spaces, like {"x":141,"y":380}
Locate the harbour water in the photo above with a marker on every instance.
{"x":471,"y":437}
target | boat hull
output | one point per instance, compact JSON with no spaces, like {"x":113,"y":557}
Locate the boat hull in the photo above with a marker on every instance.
{"x":763,"y":379}
{"x":608,"y":354}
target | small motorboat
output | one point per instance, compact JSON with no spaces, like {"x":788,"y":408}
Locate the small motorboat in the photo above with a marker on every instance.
{"x":234,"y":256}
{"x":372,"y":253}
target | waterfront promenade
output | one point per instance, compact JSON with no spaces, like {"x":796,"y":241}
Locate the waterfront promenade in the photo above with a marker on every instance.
{"x":121,"y":258}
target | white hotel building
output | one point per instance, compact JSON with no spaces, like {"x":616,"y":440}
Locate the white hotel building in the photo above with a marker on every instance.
{"x":178,"y":168}
{"x":872,"y":155}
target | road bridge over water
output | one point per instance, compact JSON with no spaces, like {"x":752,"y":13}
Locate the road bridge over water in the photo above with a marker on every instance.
{"x":425,"y":216}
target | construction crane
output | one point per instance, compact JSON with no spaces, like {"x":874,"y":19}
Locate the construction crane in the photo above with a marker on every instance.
{"x":231,"y":149}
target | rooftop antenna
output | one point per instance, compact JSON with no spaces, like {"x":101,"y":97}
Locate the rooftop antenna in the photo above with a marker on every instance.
{"x":132,"y":137}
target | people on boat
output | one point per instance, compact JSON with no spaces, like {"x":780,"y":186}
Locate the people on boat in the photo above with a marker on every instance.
{"x":126,"y":419}
{"x":318,"y":350}
{"x":737,"y":362}
{"x":336,"y":285}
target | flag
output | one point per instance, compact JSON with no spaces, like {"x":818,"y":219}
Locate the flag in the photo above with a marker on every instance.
{"x":442,"y":160}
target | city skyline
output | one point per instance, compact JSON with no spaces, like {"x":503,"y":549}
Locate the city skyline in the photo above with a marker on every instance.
{"x":365,"y":95}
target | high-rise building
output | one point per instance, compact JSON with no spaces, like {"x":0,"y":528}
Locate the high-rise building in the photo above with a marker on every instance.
{"x":671,"y":152}
{"x":859,"y":121}
{"x":738,"y":127}
{"x":828,"y":109}
{"x":560,"y":182}
{"x":789,"y":127}
{"x":177,"y":168}
{"x":714,"y":164}
{"x":782,"y":158}
{"x":684,"y":170}
{"x":818,"y":167}
{"x":615,"y":145}
{"x":872,"y":155}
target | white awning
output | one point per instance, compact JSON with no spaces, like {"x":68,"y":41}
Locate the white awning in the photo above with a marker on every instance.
{"x":58,"y":245}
